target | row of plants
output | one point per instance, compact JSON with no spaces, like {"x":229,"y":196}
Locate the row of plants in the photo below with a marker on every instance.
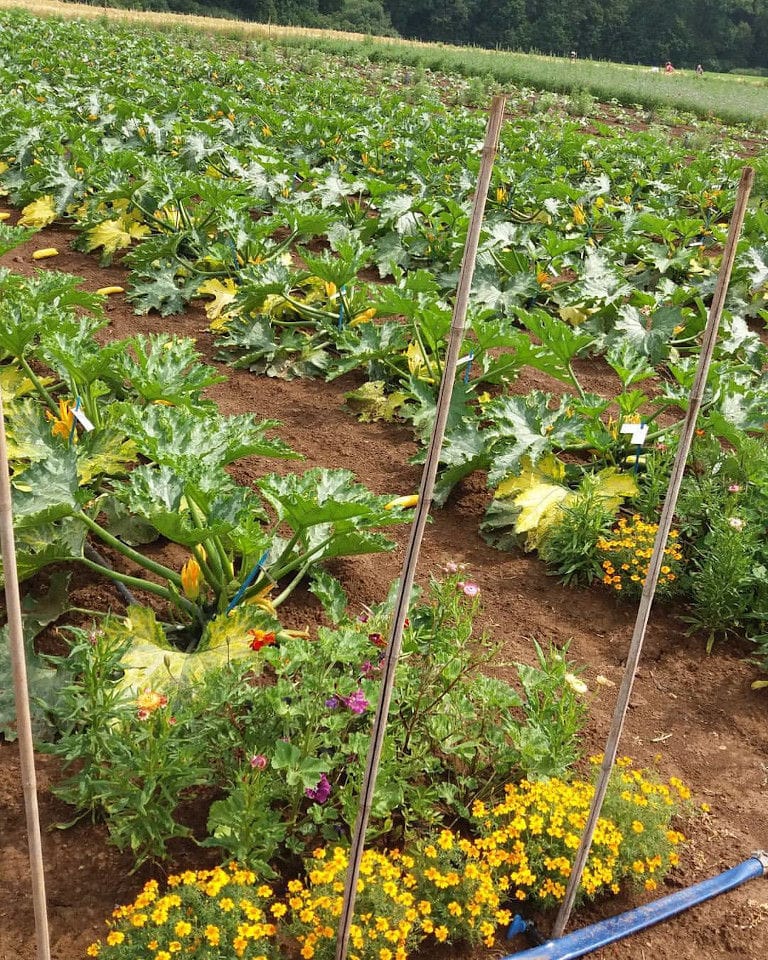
{"x":444,"y":888}
{"x":203,"y":701}
{"x":116,"y":445}
{"x":574,"y":262}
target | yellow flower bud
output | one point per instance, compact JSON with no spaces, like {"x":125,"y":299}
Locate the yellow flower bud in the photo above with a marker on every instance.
{"x":191,"y":579}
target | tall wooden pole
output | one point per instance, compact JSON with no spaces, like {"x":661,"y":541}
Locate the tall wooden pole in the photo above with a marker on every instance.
{"x":419,"y":523}
{"x":657,"y":558}
{"x":21,"y":693}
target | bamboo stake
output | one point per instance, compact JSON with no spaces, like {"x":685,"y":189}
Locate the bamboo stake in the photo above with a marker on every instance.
{"x":419,"y":523}
{"x":21,"y":693}
{"x":654,"y":566}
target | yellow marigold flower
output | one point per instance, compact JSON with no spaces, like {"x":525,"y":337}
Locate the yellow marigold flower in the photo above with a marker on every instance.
{"x":637,"y":826}
{"x":278,"y":909}
{"x":226,"y":904}
{"x":93,"y":950}
{"x":445,"y":840}
{"x":212,"y":935}
{"x":638,"y":866}
{"x":441,"y":934}
{"x":115,"y":937}
{"x":650,"y":884}
{"x":174,"y":946}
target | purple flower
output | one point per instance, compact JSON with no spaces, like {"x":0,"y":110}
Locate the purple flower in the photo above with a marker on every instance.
{"x":332,"y":703}
{"x":258,"y":761}
{"x":356,"y":702}
{"x":367,"y":668}
{"x":321,"y":792}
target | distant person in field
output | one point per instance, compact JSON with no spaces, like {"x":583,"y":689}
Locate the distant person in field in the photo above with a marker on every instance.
{"x":699,"y":70}
{"x":668,"y":68}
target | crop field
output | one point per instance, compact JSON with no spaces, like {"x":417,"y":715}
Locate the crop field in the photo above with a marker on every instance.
{"x":228,"y":265}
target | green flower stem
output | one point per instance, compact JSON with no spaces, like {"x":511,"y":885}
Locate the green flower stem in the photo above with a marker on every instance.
{"x":575,"y":382}
{"x":141,"y":584}
{"x":165,"y":572}
{"x":424,"y":353}
{"x":209,"y":575}
{"x":213,"y":571}
{"x":220,"y":561}
{"x":39,"y":386}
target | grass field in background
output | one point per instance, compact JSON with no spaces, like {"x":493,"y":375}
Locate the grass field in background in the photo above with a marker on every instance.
{"x":730,"y":98}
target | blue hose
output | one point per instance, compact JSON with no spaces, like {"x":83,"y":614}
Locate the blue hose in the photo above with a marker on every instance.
{"x":600,"y":934}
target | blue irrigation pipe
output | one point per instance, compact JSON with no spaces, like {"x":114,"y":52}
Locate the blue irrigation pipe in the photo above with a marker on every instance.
{"x":597,"y":935}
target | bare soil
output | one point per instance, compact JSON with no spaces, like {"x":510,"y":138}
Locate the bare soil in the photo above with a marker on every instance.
{"x":696,"y":711}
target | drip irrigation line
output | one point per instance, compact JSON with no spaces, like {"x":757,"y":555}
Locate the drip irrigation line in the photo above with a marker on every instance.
{"x":96,"y":557}
{"x":657,"y":558}
{"x":419,"y":523}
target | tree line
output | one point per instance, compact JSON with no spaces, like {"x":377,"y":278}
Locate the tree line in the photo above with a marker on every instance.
{"x":721,"y":35}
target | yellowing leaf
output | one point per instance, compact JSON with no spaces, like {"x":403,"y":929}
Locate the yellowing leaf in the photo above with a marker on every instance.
{"x":39,"y":213}
{"x":539,"y":506}
{"x":547,"y":469}
{"x":111,"y":235}
{"x":612,"y":487}
{"x":574,"y":315}
{"x":151,"y":661}
{"x":223,"y":295}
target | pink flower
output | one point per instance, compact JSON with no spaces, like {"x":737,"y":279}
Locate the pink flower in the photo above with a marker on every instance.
{"x":356,"y":702}
{"x":734,"y":488}
{"x":736,"y":523}
{"x":258,"y":761}
{"x":321,"y":792}
{"x":451,"y":567}
{"x":143,"y":714}
{"x":469,"y":589}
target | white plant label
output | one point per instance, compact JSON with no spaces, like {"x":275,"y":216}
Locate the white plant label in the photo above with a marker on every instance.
{"x":81,"y":418}
{"x":637,"y":432}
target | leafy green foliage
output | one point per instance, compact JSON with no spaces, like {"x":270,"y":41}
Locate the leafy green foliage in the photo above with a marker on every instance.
{"x":281,"y":729}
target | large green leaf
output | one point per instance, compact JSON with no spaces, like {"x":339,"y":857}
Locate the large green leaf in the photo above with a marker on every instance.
{"x":49,"y":489}
{"x":529,"y":426}
{"x":176,"y":436}
{"x":42,"y":681}
{"x":326,"y":496}
{"x":649,"y":336}
{"x":166,"y":369}
{"x":161,"y":496}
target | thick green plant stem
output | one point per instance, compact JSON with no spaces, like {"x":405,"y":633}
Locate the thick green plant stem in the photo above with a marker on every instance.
{"x":39,"y":386}
{"x":146,"y":585}
{"x":165,"y":572}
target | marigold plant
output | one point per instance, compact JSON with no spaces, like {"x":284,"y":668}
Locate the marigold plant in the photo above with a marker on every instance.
{"x":625,"y":555}
{"x":447,"y":888}
{"x":533,"y":834}
{"x":224,"y":912}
